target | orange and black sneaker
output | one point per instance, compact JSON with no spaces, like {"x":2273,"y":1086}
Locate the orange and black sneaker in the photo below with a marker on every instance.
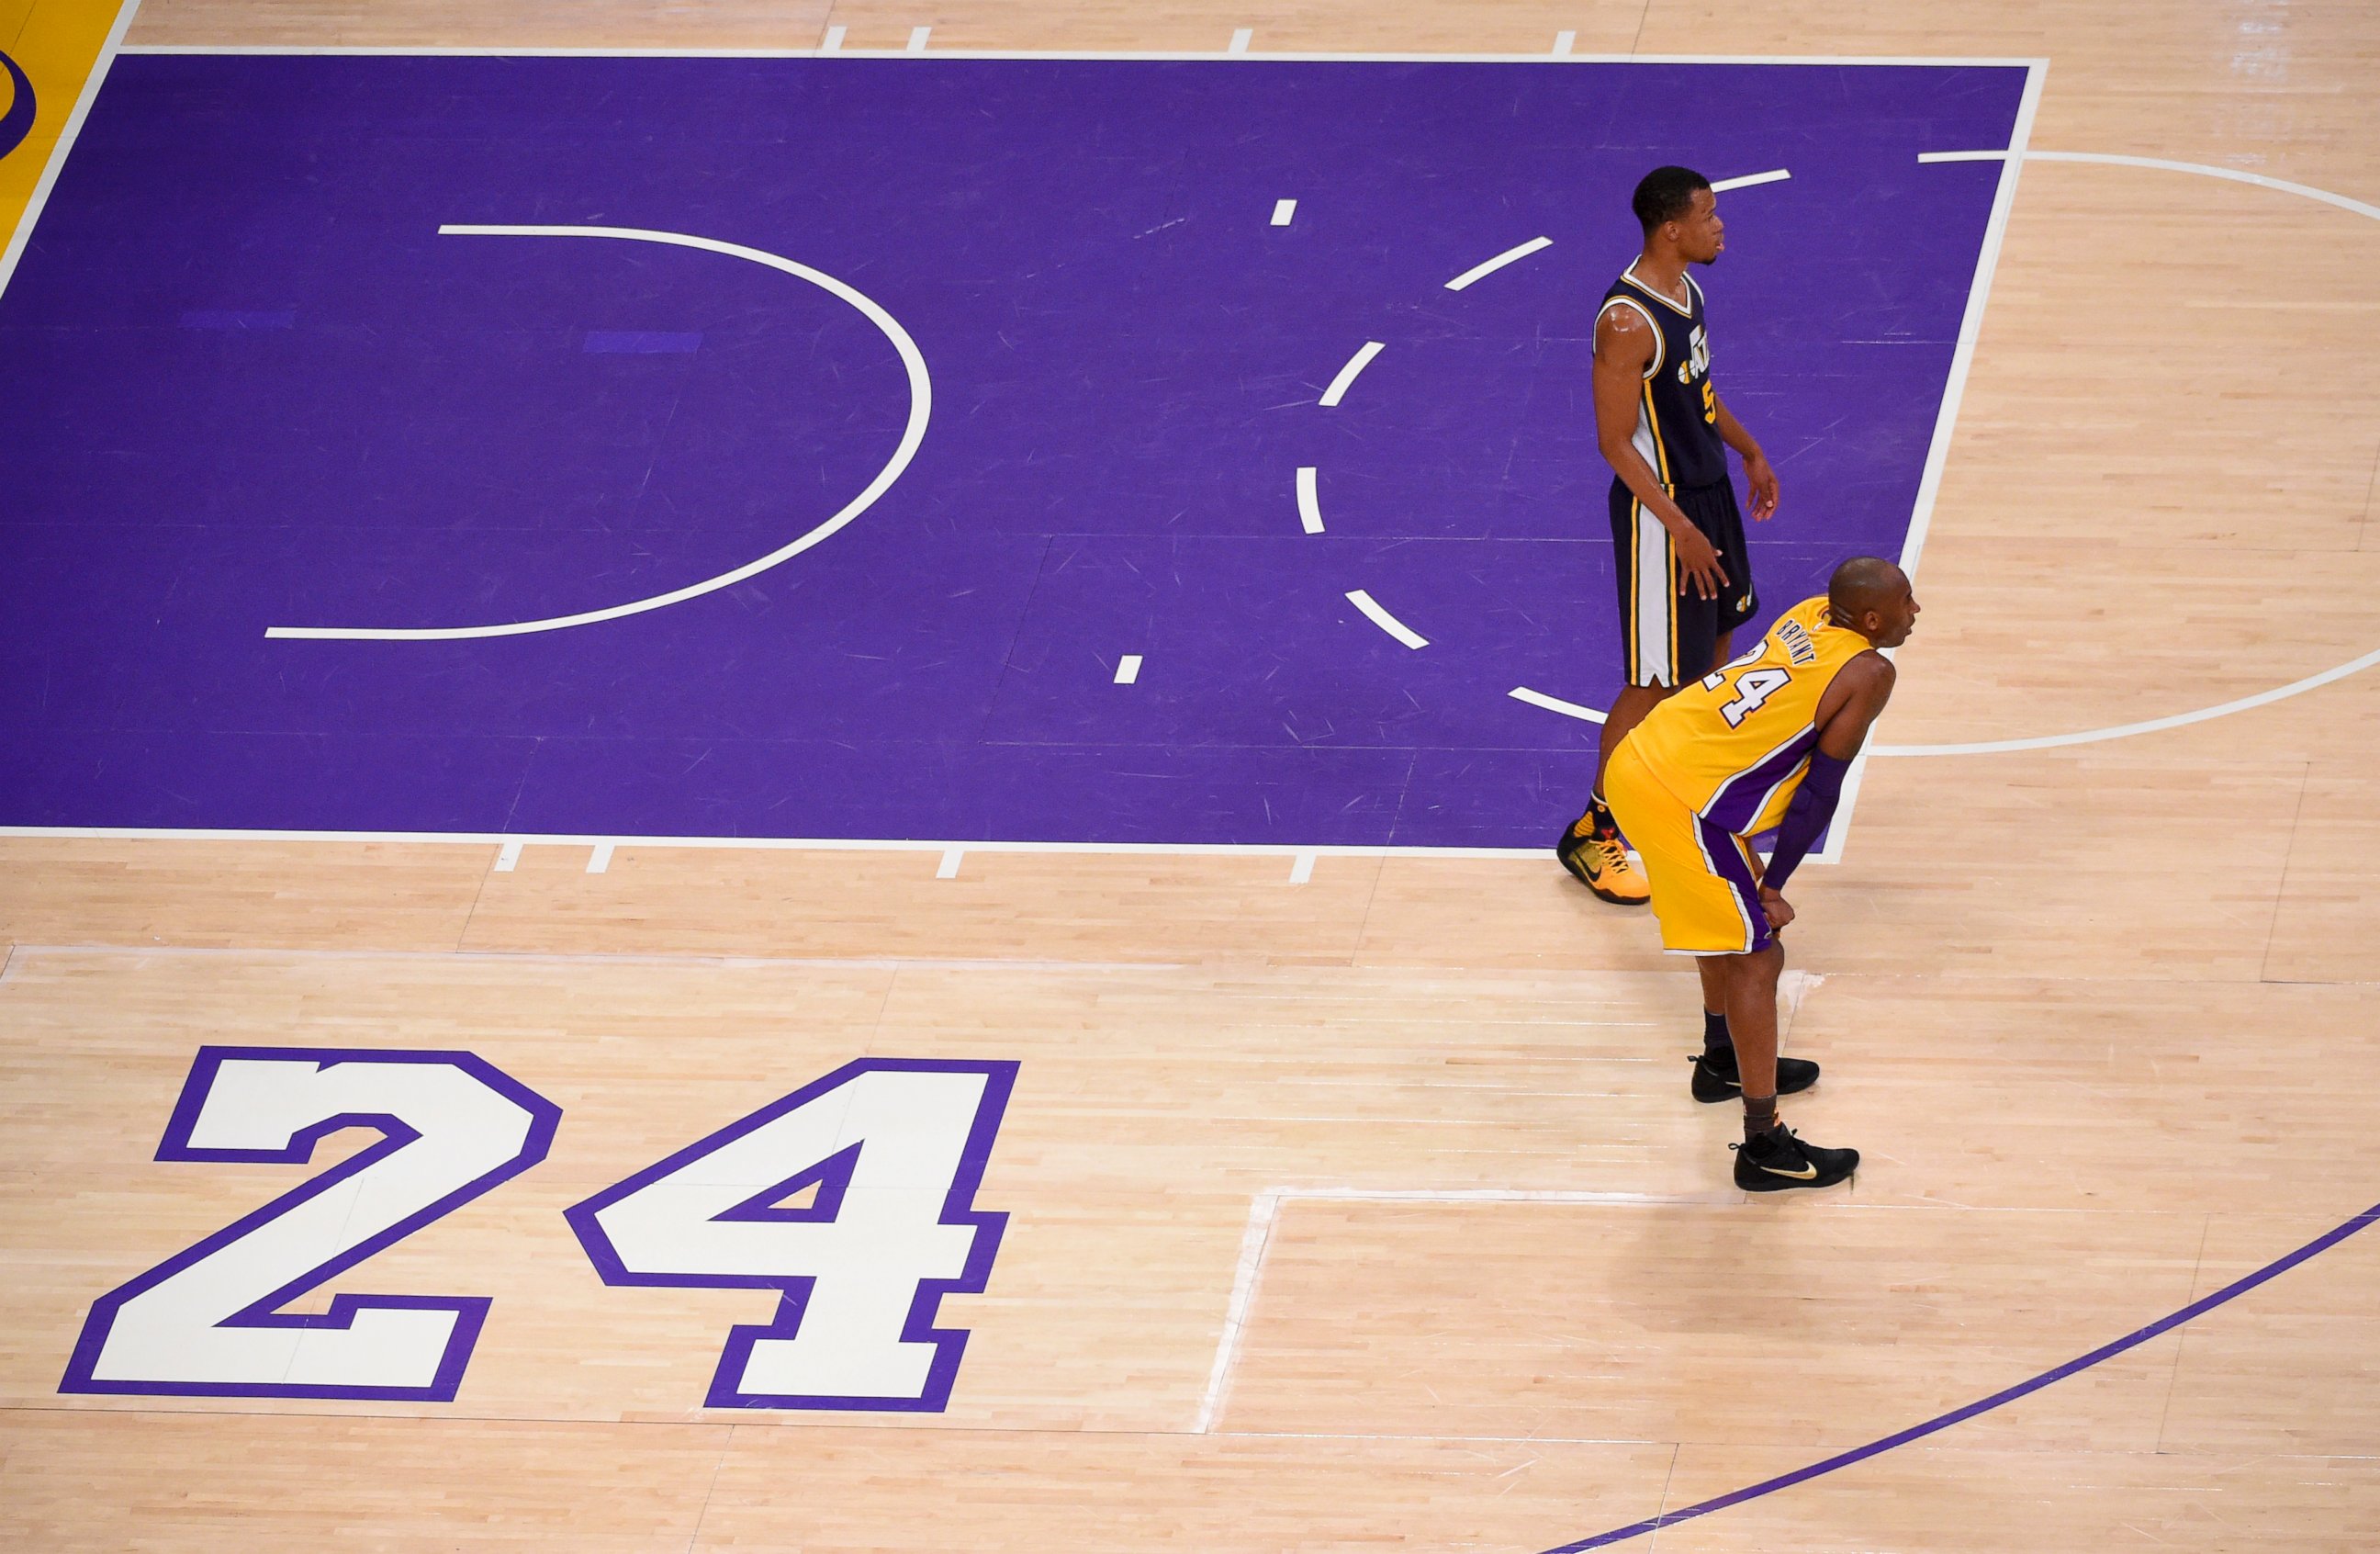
{"x":1596,"y":856}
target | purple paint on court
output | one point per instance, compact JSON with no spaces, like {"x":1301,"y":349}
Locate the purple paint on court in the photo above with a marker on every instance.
{"x":250,"y":386}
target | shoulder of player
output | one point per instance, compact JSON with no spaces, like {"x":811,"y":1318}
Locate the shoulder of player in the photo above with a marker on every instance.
{"x":1623,"y":327}
{"x":1870,"y":672}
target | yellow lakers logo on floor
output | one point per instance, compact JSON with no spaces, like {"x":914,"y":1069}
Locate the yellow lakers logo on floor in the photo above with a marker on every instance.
{"x":44,"y":66}
{"x":16,"y":122}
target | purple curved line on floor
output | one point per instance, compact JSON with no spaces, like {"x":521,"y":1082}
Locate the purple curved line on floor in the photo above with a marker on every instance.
{"x":19,"y":123}
{"x":2320,"y":1244}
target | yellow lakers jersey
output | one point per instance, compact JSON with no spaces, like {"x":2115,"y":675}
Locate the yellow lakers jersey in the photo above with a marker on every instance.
{"x":1733,"y":745}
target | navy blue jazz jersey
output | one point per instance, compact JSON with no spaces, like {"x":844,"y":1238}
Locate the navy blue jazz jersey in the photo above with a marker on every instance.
{"x":1676,"y":414}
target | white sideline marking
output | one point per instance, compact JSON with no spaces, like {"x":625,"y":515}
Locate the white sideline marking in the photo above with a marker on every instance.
{"x":1356,"y":363}
{"x":600,"y":860}
{"x":1128,"y":668}
{"x":949,"y":869}
{"x":1554,"y":704}
{"x":768,"y":843}
{"x":1501,"y":259}
{"x":921,"y":403}
{"x":1282,"y":210}
{"x":1301,"y":871}
{"x":1750,"y":180}
{"x":419,"y":50}
{"x":1385,"y":622}
{"x":67,"y":134}
{"x":1564,"y":41}
{"x":1242,"y":38}
{"x":834,"y":37}
{"x":1264,"y":1212}
{"x":918,"y":36}
{"x":508,"y":857}
{"x":1309,"y":502}
{"x":1954,"y":390}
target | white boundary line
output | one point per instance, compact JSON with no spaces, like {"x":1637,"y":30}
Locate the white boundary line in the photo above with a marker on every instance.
{"x":69,"y":133}
{"x":1346,"y":378}
{"x":921,"y":408}
{"x":1937,"y":454}
{"x":1490,"y":267}
{"x":1379,"y":617}
{"x":512,"y":842}
{"x":1264,"y":1214}
{"x":1932,"y":61}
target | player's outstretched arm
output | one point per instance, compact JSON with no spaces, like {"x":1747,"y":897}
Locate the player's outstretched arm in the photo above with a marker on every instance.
{"x":1762,"y":479}
{"x":1857,"y":694}
{"x":1623,"y":348}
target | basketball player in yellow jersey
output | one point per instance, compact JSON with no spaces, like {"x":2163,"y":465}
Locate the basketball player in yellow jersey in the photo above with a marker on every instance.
{"x":1761,"y":742}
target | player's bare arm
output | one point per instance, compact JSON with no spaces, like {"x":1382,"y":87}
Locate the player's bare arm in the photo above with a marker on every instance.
{"x":1756,"y":471}
{"x":1852,"y":703}
{"x":1623,"y":350}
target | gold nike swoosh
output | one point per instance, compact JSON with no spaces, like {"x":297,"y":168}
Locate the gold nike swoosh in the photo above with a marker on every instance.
{"x":1803,"y":1175}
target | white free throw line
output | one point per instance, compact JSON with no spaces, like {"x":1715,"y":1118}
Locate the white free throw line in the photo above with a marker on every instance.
{"x":1554,"y":704}
{"x":1750,"y":180}
{"x":1501,"y":259}
{"x":1385,"y":622}
{"x":1356,"y":363}
{"x":1309,"y":503}
{"x":1282,"y":210}
{"x":1128,"y":668}
{"x":949,"y":869}
{"x":600,"y":860}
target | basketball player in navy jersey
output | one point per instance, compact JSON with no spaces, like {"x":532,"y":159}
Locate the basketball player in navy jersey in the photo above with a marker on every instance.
{"x":1685,"y":578}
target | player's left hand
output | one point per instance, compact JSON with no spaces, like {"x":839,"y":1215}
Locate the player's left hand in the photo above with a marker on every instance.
{"x":1762,"y":480}
{"x":1776,"y":908}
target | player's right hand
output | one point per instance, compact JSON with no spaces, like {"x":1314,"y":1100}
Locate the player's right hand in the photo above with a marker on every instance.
{"x":1776,"y":908}
{"x":1699,"y":561}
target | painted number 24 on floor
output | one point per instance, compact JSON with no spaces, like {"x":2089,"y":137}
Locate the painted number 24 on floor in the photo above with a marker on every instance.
{"x":890,"y":1149}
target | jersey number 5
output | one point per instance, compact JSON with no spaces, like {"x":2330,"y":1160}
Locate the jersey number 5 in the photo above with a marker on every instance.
{"x":1751,"y":687}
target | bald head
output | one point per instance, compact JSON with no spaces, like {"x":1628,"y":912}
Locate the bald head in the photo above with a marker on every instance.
{"x":1872,"y":597}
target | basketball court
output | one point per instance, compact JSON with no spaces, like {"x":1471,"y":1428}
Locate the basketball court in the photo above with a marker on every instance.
{"x":783,"y":778}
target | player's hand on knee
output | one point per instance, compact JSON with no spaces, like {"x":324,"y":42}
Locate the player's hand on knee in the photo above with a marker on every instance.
{"x":1776,"y":908}
{"x":1700,"y":564}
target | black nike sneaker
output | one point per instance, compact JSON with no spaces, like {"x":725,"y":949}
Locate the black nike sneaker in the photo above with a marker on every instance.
{"x":1715,"y":1079}
{"x":1777,"y":1161}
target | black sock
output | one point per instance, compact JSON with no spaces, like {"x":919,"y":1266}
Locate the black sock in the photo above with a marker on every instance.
{"x":1716,"y":1041}
{"x":1759,"y":1116}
